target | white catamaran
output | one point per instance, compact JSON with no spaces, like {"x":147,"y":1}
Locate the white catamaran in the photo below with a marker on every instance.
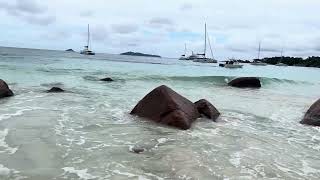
{"x":280,"y":62}
{"x":258,"y":62}
{"x":86,"y":50}
{"x":202,"y":57}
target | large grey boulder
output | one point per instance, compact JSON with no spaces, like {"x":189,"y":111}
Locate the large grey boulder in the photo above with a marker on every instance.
{"x":165,"y":106}
{"x":312,"y":116}
{"x":4,"y":89}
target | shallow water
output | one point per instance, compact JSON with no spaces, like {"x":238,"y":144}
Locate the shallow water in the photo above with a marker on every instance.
{"x":87,"y":133}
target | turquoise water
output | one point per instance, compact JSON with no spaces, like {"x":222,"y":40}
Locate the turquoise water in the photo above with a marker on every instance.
{"x":88,"y":133}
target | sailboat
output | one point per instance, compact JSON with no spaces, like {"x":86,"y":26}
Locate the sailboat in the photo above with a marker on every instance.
{"x":183,"y":57}
{"x":258,"y":62}
{"x":280,"y":62}
{"x":86,"y":50}
{"x":202,"y":57}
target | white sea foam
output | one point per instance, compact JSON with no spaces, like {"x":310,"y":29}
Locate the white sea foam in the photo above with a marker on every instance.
{"x":17,"y":113}
{"x":235,"y":159}
{"x":131,"y":148}
{"x":81,"y":141}
{"x":10,"y":173}
{"x":162,"y":140}
{"x":4,"y":147}
{"x":82,"y":174}
{"x":8,"y":116}
{"x":130,"y":175}
{"x":4,"y":171}
{"x":307,"y":169}
{"x":155,"y":176}
{"x":77,"y":160}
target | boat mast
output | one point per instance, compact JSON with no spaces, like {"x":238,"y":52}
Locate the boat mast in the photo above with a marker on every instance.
{"x":259,"y":50}
{"x":281,"y":55}
{"x":185,"y":49}
{"x":88,"y":40}
{"x":205,"y":39}
{"x":210,"y":46}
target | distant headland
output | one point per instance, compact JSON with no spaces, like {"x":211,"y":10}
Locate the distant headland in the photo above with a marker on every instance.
{"x":139,"y":54}
{"x":311,"y":61}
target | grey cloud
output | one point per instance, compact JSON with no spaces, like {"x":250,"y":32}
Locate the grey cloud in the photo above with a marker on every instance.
{"x":29,"y":11}
{"x":248,"y":49}
{"x":270,"y":49}
{"x":98,"y":33}
{"x":4,"y":5}
{"x":186,"y":6}
{"x":86,"y":14}
{"x":124,"y":28}
{"x":238,"y":49}
{"x":29,"y":6}
{"x":299,"y":48}
{"x":40,"y":20}
{"x":133,"y":45}
{"x":159,"y":22}
{"x":317,"y":48}
{"x":57,"y":35}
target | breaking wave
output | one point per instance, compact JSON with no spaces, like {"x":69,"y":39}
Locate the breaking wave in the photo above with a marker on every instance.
{"x":219,"y":80}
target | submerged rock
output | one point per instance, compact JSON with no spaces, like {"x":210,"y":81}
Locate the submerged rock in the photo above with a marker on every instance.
{"x":245,"y":82}
{"x":137,"y":150}
{"x":312,"y":116}
{"x":165,"y":106}
{"x":5,"y":91}
{"x":70,"y":50}
{"x":107,"y":79}
{"x":207,"y":109}
{"x":55,"y":90}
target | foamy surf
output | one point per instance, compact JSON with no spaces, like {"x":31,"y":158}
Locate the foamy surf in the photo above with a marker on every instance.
{"x":90,"y":134}
{"x":82,"y":174}
{"x":4,"y":147}
{"x":10,"y":174}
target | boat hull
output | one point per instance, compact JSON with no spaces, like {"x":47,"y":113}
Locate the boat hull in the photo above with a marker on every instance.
{"x":205,"y":60}
{"x":281,"y":64}
{"x":259,"y":64}
{"x":87,"y":53}
{"x":233,"y":66}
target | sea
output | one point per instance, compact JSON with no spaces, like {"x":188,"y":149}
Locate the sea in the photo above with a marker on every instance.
{"x":87,"y":132}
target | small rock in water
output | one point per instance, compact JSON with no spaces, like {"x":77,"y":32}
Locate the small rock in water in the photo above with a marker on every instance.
{"x":206,"y":108}
{"x":137,"y":150}
{"x":70,"y":50}
{"x":4,"y":89}
{"x":55,"y":90}
{"x":245,"y":82}
{"x":312,"y":117}
{"x":106,"y":79}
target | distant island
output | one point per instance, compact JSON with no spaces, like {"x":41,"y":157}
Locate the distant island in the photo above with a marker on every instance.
{"x":139,"y":54}
{"x":70,"y":50}
{"x":311,"y":61}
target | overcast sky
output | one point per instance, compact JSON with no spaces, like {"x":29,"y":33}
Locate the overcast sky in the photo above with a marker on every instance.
{"x":162,"y":27}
